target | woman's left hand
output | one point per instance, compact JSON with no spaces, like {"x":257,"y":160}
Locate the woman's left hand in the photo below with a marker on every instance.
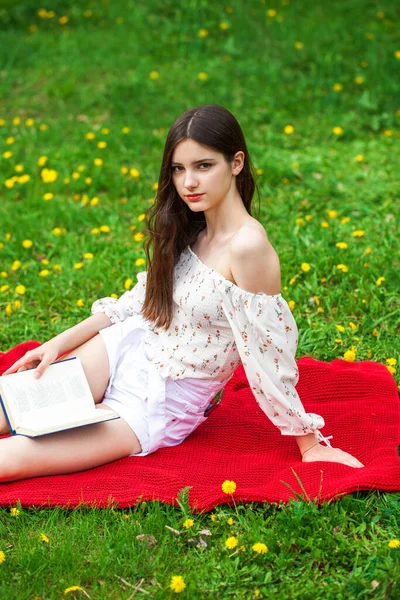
{"x":325,"y":453}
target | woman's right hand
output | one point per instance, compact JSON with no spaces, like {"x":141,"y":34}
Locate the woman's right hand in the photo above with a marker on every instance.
{"x":39,"y":357}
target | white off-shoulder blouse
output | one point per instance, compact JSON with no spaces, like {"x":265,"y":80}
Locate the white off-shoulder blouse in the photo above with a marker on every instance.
{"x":216,"y":327}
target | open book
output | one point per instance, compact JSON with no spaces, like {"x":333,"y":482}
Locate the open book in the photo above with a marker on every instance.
{"x":60,"y":399}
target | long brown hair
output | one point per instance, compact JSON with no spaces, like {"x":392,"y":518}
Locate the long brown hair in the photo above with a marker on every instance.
{"x":170,"y":224}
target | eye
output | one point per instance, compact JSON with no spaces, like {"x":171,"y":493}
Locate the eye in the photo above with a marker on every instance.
{"x":174,"y":169}
{"x":206,"y":164}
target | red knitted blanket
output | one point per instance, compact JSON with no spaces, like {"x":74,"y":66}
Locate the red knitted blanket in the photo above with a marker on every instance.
{"x":359,"y":402}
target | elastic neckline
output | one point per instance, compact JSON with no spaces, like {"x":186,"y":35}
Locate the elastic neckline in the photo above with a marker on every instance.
{"x":226,"y":281}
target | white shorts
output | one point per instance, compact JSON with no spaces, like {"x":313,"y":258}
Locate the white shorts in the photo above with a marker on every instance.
{"x":161,"y":412}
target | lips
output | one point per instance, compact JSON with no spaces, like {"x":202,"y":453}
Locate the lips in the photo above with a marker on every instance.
{"x":194,"y":196}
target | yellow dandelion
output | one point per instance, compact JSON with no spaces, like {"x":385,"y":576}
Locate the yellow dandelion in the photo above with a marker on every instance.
{"x":44,"y":537}
{"x":73,"y":588}
{"x":90,"y":135}
{"x":230,"y":521}
{"x":337,"y":130}
{"x":188,"y":523}
{"x":19,"y":168}
{"x":177,"y":583}
{"x":202,"y":76}
{"x":345,"y":220}
{"x":14,"y":512}
{"x":7,"y":154}
{"x":8,"y":310}
{"x":10,"y":140}
{"x":78,"y":265}
{"x":380,"y":280}
{"x":260,"y":548}
{"x":57,"y":231}
{"x":332,"y":214}
{"x":340,"y":328}
{"x":2,"y":556}
{"x":98,"y":162}
{"x":228,"y":487}
{"x":358,"y":233}
{"x":375,"y":333}
{"x":342,"y":268}
{"x":102,"y":144}
{"x":291,"y":304}
{"x":154,"y":75}
{"x":48,"y":175}
{"x":203,"y":33}
{"x":224,"y":26}
{"x":387,"y":132}
{"x":299,"y":45}
{"x":338,"y":340}
{"x":128,"y":284}
{"x":48,"y":196}
{"x":305,"y":267}
{"x":20,"y":289}
{"x":63,"y":20}
{"x":397,"y":54}
{"x":80,"y":303}
{"x":342,"y":245}
{"x":124,"y":170}
{"x":105,"y":131}
{"x":288,"y":129}
{"x":88,"y":255}
{"x":138,"y":237}
{"x":352,"y":326}
{"x":95,"y":231}
{"x":391,"y":369}
{"x":394,"y":544}
{"x":134,"y":173}
{"x":391,"y":361}
{"x":213,"y":518}
{"x":359,"y":157}
{"x":325,"y":224}
{"x":94,"y":201}
{"x":349,"y":356}
{"x":27,"y":243}
{"x":338,"y":87}
{"x":231,"y":542}
{"x":104,"y":228}
{"x":125,"y":130}
{"x":271,"y":12}
{"x":44,"y":273}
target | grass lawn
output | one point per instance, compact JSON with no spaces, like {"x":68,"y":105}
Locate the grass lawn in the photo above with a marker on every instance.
{"x":88,"y":91}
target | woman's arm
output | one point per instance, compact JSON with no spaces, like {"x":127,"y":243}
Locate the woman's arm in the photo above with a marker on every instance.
{"x":69,"y":339}
{"x":82,"y":332}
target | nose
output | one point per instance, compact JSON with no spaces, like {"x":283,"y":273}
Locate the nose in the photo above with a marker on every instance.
{"x":190,"y":180}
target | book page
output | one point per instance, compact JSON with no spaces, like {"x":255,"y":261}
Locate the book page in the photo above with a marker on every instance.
{"x":62,"y":389}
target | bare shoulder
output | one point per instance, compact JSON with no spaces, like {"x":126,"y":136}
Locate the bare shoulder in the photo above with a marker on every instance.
{"x":255,"y":264}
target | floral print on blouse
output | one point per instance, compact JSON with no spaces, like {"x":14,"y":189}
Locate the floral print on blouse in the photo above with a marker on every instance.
{"x":216,"y":327}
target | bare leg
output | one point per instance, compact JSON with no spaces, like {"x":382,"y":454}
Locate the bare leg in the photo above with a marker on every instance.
{"x":66,"y":451}
{"x":94,"y":358}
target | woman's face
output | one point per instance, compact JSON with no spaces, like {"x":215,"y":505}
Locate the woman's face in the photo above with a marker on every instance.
{"x":197,"y":169}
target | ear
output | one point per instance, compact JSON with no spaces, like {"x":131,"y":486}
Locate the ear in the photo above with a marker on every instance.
{"x":237,"y":163}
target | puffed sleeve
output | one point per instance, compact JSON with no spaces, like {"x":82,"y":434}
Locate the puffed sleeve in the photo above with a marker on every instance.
{"x":130,"y":303}
{"x":266,"y":337}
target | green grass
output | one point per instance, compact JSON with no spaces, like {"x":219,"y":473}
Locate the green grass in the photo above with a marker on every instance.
{"x":92,"y":73}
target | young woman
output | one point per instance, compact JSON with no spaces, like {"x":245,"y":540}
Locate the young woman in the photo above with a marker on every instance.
{"x":209,"y":301}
